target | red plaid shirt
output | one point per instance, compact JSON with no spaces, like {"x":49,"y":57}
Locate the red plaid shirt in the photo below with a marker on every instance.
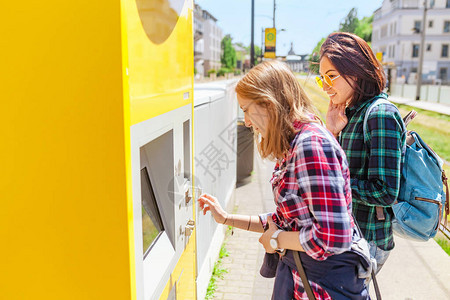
{"x":313,"y":196}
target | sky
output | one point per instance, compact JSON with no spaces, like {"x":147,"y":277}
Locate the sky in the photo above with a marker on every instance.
{"x":305,"y":21}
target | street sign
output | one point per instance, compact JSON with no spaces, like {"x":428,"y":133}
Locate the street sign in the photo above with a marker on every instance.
{"x":270,"y":42}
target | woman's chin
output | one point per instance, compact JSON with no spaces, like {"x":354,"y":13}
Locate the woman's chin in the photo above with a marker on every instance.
{"x":336,"y":101}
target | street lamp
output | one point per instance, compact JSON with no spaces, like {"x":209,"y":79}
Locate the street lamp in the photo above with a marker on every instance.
{"x":421,"y":50}
{"x":252,"y":43}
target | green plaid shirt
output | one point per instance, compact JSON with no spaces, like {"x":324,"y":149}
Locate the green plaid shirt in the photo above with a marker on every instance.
{"x":374,"y":166}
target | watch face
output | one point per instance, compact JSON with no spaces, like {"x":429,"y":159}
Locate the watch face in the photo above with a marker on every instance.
{"x":273,"y":243}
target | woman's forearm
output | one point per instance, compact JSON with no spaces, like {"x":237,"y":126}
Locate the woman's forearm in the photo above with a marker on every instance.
{"x":246,"y":222}
{"x":289,"y":240}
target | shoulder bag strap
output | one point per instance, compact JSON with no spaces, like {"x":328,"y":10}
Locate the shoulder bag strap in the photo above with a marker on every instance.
{"x":374,"y":278}
{"x":302,"y":273}
{"x":375,"y":285}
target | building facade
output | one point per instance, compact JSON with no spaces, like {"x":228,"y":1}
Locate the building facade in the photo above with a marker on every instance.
{"x":396,"y":33}
{"x":207,"y":41}
{"x":297,"y":63}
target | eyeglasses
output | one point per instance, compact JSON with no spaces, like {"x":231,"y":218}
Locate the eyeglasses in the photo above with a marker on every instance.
{"x":327,"y":79}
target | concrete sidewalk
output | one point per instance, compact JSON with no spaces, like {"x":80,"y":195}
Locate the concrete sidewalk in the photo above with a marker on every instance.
{"x":427,"y":105}
{"x":414,"y":270}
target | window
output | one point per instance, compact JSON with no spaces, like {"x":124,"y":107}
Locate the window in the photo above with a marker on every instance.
{"x":443,"y":74}
{"x":448,"y":4}
{"x":444,"y":52}
{"x":391,"y":51}
{"x":428,"y":47}
{"x":415,"y":50}
{"x":430,"y":24}
{"x":384,"y":31}
{"x":417,"y":26}
{"x":447,"y":26}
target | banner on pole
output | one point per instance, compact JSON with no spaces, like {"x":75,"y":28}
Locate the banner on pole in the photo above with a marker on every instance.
{"x":270,"y":42}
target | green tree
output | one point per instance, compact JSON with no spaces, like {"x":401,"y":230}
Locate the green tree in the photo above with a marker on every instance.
{"x":350,"y":22}
{"x":364,"y":28}
{"x":360,"y":27}
{"x":314,"y":57}
{"x":228,"y":58}
{"x":257,"y":53}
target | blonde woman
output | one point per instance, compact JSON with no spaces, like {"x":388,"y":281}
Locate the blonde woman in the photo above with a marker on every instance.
{"x":311,"y":187}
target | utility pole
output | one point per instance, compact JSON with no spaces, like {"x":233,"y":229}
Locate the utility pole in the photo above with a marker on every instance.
{"x":262,"y":43}
{"x":252,"y":43}
{"x":274,"y":6}
{"x":421,"y":50}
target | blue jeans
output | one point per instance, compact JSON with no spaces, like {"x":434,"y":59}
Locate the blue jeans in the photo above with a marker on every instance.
{"x":380,"y":255}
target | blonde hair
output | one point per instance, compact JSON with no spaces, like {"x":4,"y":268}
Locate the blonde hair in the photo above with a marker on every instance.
{"x":272,"y":85}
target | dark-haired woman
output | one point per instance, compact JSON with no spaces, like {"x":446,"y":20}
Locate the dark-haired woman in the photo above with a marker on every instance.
{"x":353,"y":79}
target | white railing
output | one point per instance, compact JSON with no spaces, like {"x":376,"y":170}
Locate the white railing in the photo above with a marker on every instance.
{"x":432,"y":93}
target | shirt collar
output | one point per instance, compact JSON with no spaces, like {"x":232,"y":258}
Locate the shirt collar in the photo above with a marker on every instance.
{"x":350,"y":111}
{"x":297,"y":126}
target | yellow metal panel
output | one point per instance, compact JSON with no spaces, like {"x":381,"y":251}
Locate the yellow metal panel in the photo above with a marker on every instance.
{"x":159,"y":38}
{"x":63,"y":213}
{"x":160,"y":58}
{"x":129,"y":188}
{"x":184,"y":274}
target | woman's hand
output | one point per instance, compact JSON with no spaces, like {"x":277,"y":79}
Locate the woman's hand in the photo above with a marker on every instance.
{"x":208,"y":202}
{"x":336,"y":119}
{"x":265,"y":237}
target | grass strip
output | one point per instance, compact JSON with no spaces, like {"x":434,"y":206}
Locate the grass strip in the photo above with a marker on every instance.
{"x":218,"y":272}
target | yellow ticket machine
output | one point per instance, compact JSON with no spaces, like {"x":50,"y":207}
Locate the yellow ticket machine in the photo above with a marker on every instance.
{"x":96,"y":158}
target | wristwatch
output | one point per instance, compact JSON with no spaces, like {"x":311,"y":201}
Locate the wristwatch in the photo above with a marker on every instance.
{"x":274,"y":240}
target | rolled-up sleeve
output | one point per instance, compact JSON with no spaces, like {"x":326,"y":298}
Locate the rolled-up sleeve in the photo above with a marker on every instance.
{"x":263,"y":219}
{"x":276,"y":218}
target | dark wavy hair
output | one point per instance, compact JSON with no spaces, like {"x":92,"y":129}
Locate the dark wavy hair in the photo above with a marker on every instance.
{"x":354,"y":58}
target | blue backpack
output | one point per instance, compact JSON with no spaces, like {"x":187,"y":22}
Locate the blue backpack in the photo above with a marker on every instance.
{"x":421,"y":199}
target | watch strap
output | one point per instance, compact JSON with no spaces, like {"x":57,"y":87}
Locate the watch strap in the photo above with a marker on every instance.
{"x":276,"y":233}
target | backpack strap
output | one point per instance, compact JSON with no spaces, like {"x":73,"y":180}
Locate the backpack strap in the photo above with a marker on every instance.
{"x":447,"y":205}
{"x":380,"y":100}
